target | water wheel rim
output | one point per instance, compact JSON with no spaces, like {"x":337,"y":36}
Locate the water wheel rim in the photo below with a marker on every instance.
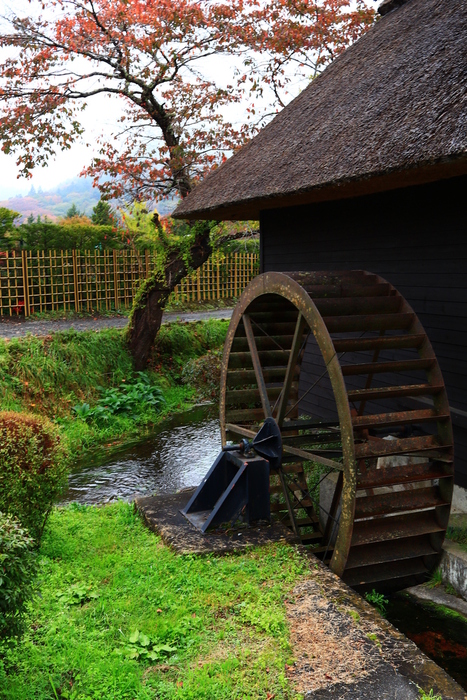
{"x":288,"y":288}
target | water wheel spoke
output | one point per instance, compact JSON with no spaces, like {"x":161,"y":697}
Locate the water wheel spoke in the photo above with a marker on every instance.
{"x":288,"y":503}
{"x":297,"y":345}
{"x":312,"y":457}
{"x":304,"y":454}
{"x":257,"y":366}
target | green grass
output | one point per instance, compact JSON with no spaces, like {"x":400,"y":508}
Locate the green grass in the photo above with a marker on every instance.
{"x":435,"y":580}
{"x":217,"y":624}
{"x":429,"y":696}
{"x":458,"y":534}
{"x":52,"y":374}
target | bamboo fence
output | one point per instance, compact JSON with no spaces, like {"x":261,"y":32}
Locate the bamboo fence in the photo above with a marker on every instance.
{"x":74,"y":280}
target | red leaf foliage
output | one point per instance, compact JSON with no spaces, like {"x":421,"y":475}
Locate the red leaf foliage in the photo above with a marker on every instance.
{"x":155,"y":57}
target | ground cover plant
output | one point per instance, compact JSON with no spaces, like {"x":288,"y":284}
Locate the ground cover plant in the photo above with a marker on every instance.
{"x":59,"y":374}
{"x":120,"y":615}
{"x":17,"y":570}
{"x":378,"y":600}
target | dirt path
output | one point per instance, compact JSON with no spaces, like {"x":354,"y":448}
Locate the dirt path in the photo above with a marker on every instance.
{"x":15,"y":327}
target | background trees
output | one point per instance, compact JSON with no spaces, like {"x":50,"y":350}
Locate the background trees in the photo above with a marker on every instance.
{"x":7,"y":221}
{"x":102,"y":214}
{"x":166,"y":62}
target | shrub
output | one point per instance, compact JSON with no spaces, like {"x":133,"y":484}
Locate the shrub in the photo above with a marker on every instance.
{"x":204,"y":374}
{"x":131,"y":397}
{"x":33,"y":468}
{"x":17,"y":570}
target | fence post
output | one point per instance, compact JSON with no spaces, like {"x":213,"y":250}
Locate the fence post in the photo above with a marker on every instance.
{"x":75,"y":279}
{"x":116,"y":304}
{"x":198,"y":279}
{"x":235,"y":278}
{"x":24,"y":264}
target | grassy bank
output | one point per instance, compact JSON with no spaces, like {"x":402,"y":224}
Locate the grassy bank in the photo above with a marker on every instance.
{"x":57,"y":375}
{"x":121,"y":616}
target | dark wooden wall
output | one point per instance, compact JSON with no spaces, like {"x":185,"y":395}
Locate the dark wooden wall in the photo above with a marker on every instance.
{"x":416,"y":238}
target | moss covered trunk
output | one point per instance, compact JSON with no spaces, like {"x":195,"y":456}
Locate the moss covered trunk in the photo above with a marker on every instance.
{"x":146,"y":316}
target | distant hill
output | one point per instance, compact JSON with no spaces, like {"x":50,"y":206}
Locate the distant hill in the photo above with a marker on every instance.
{"x":55,"y":203}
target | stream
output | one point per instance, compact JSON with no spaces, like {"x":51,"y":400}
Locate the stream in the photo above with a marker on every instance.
{"x":175,"y":456}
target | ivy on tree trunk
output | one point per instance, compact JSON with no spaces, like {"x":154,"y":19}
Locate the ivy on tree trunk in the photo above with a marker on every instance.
{"x":152,"y":296}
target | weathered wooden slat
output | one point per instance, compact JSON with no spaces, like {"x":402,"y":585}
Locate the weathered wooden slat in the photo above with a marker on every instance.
{"x":397,"y":502}
{"x":382,"y":342}
{"x":273,"y":328}
{"x":247,"y":376}
{"x":384,"y":448}
{"x":245,"y":415}
{"x":386,"y":420}
{"x":356,"y":306}
{"x":383,"y":367}
{"x":241,"y":396}
{"x":394,"y":392}
{"x":373,"y":322}
{"x":385,"y":572}
{"x":263,"y":342}
{"x":268,"y":358}
{"x":403,"y":474}
{"x":395,"y":528}
{"x":385,"y":552}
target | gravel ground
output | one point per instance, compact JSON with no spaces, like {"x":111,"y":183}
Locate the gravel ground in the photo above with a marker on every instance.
{"x":15,"y":327}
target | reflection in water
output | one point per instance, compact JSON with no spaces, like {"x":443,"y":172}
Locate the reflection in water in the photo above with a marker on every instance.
{"x":441,"y":636}
{"x":178,"y":456}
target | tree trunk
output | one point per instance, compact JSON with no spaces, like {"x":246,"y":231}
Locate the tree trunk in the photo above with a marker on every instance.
{"x":146,"y":317}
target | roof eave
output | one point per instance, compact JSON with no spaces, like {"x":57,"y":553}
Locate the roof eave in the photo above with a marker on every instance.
{"x":423,"y":173}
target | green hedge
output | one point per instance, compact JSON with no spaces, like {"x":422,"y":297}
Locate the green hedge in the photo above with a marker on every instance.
{"x":33,"y":468}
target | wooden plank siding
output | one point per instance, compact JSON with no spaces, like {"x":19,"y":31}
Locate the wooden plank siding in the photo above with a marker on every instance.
{"x":416,"y":238}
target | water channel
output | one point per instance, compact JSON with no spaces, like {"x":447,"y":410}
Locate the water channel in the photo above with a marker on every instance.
{"x":178,"y":455}
{"x":175,"y":456}
{"x":441,"y":636}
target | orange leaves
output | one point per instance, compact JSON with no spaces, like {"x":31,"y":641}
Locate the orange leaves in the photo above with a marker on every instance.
{"x":158,"y":58}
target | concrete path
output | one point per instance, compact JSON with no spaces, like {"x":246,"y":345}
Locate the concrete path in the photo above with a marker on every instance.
{"x":16,"y":327}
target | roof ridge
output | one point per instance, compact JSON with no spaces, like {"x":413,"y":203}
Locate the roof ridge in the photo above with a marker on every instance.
{"x":390,"y":5}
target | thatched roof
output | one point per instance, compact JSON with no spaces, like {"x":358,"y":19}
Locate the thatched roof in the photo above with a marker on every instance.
{"x":390,"y":111}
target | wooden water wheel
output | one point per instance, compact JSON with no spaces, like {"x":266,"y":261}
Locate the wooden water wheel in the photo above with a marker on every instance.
{"x":343,"y":364}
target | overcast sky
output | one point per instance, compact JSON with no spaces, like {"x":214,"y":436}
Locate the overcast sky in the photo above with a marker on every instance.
{"x":65,"y":166}
{"x":97,"y":118}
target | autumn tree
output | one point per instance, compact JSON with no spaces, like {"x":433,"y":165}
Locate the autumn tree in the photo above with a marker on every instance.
{"x":155,"y":57}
